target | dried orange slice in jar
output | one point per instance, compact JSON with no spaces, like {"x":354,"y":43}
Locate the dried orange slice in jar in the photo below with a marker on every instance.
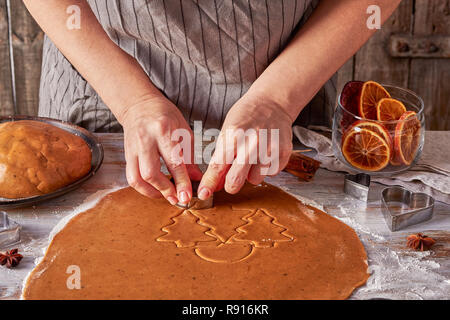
{"x":371,"y":93}
{"x":349,"y":100}
{"x":407,"y":137}
{"x":389,"y":109}
{"x":395,"y":161}
{"x":366,"y":150}
{"x":376,"y":127}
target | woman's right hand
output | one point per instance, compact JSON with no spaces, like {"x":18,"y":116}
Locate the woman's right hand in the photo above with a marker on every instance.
{"x":148,"y":128}
{"x":117,"y":77}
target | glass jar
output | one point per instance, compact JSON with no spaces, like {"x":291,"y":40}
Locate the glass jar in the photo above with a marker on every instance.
{"x":380,"y":147}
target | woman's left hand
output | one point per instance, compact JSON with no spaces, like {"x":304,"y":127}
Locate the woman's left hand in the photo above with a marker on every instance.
{"x":255,"y":141}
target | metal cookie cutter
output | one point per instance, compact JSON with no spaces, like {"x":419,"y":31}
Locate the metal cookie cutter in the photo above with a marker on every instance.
{"x":195,"y":202}
{"x":402,"y":208}
{"x":357,"y":186}
{"x":9,"y":230}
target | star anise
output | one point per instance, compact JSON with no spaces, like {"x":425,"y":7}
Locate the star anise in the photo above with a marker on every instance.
{"x":419,"y":242}
{"x":10,"y":258}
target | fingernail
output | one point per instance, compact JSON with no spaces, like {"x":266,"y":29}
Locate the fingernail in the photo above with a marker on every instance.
{"x":204,"y":193}
{"x":173,"y":201}
{"x":184,"y":198}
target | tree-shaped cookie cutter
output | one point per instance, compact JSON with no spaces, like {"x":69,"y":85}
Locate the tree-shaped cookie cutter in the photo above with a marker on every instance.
{"x":195,"y":202}
{"x":9,"y":230}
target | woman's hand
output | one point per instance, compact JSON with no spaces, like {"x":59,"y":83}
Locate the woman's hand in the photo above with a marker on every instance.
{"x":250,"y":127}
{"x":148,"y":130}
{"x":118,"y":78}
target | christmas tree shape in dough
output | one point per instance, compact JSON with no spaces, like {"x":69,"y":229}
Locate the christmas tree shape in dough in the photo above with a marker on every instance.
{"x":262,"y":231}
{"x":223,"y":223}
{"x":185,"y":232}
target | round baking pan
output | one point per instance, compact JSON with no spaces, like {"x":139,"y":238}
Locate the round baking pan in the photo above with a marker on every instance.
{"x":97,"y":159}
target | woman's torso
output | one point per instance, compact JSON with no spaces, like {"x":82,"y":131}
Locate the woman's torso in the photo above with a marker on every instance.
{"x":202,"y":55}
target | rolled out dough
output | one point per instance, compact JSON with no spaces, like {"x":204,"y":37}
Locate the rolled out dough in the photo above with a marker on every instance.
{"x":259,"y":244}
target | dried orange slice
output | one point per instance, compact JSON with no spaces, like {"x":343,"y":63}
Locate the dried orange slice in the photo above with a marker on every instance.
{"x":407,"y":137}
{"x":389,"y":109}
{"x":395,"y":161}
{"x":364,"y":149}
{"x":349,"y":100}
{"x":376,"y":127}
{"x":350,"y":96}
{"x":371,"y":93}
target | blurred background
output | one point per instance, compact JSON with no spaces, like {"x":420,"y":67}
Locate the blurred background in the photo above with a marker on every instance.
{"x":411,"y":50}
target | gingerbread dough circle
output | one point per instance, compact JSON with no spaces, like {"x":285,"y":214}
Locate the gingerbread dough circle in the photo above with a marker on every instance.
{"x":259,"y":244}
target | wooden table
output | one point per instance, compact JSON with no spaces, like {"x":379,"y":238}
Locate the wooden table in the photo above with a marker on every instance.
{"x":397,"y":272}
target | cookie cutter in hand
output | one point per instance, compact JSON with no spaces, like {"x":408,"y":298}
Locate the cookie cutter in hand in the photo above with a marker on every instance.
{"x":9,"y":230}
{"x":402,"y":208}
{"x":195,"y":202}
{"x":357,"y":186}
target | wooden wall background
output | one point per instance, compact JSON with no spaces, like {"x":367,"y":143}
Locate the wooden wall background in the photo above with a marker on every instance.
{"x":421,"y":62}
{"x":411,"y":50}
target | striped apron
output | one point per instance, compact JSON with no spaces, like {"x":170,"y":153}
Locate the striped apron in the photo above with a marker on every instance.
{"x":202,"y":54}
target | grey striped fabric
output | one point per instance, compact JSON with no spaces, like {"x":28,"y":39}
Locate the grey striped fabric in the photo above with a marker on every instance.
{"x":202,"y":54}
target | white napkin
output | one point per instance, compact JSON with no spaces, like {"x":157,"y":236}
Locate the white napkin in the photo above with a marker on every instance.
{"x":431,"y":174}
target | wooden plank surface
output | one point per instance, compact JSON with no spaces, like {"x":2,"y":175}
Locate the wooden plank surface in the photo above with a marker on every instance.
{"x":373,"y":61}
{"x":27,"y":41}
{"x":414,"y":46}
{"x":419,"y":18}
{"x":6,"y":92}
{"x":430,"y":78}
{"x":397,"y":272}
{"x":345,"y":74}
